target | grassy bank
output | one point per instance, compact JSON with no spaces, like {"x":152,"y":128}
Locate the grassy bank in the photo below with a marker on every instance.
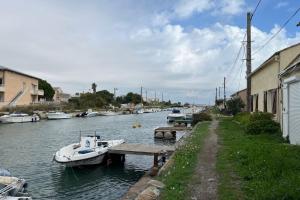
{"x":177,"y":176}
{"x":256,"y":166}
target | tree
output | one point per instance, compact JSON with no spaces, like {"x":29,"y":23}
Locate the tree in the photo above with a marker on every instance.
{"x":48,"y":89}
{"x":94,"y":87}
{"x":106,"y":96}
{"x":235,"y":105}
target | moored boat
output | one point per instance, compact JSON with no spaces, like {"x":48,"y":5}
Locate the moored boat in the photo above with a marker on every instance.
{"x":19,"y":118}
{"x":91,"y":150}
{"x":58,"y":115}
{"x":89,"y":113}
{"x":108,"y":113}
{"x":175,"y":115}
{"x":12,"y":188}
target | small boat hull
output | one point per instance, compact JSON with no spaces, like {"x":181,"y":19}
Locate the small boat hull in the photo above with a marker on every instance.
{"x":86,"y":162}
{"x":20,"y":119}
{"x":53,"y":116}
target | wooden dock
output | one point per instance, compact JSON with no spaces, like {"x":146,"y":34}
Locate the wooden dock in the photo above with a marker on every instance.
{"x":141,"y":149}
{"x":169,"y":132}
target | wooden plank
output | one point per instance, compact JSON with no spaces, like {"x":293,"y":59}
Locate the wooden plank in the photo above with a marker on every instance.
{"x":140,"y":149}
{"x":172,"y":128}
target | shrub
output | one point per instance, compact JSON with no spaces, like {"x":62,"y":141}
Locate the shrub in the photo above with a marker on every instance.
{"x":262,"y":126}
{"x":200,"y":117}
{"x":261,"y":116}
{"x":243,"y":118}
{"x":235,"y":105}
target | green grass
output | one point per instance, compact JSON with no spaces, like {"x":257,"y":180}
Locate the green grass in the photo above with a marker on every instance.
{"x":178,"y":176}
{"x":256,"y":166}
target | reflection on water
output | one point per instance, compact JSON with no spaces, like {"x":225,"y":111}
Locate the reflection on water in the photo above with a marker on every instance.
{"x":27,"y":151}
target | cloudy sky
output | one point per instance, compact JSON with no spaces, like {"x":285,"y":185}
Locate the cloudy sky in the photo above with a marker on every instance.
{"x":183,"y":48}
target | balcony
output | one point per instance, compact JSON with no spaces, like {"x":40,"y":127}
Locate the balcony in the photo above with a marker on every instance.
{"x":37,"y":92}
{"x":2,"y":88}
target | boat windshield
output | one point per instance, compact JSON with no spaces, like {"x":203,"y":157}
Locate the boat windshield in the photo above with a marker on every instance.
{"x":175,"y":111}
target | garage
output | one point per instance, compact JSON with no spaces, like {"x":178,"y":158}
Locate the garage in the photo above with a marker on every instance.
{"x":291,"y":109}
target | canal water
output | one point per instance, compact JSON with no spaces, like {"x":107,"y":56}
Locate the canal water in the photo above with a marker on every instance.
{"x":27,"y":150}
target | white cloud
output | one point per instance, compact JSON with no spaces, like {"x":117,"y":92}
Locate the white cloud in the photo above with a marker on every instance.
{"x":282,"y":4}
{"x":232,"y":7}
{"x":74,"y":45}
{"x":186,"y":8}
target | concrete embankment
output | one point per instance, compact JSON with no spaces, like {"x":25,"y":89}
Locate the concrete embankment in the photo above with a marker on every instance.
{"x":147,"y":188}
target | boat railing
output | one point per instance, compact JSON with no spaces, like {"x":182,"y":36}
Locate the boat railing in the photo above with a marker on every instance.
{"x":4,"y":191}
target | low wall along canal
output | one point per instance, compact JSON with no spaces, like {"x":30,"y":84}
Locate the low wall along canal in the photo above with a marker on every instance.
{"x":27,"y":151}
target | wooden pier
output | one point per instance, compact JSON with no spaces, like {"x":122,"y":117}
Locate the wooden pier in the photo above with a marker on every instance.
{"x":142,"y":149}
{"x":169,"y":132}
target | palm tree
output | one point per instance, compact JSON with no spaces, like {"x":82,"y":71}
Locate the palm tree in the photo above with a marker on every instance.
{"x":94,"y":87}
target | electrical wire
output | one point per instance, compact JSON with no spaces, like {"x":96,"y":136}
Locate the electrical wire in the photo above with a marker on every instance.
{"x":274,"y":35}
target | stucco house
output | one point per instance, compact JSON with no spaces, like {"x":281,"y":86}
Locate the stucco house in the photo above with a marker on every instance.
{"x":242,"y":94}
{"x":60,"y":96}
{"x":17,"y":88}
{"x":267,"y":84}
{"x":290,"y":79}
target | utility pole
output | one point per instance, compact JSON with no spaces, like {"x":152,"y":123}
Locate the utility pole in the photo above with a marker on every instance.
{"x":224,"y":92}
{"x":248,"y":61}
{"x":141,"y":95}
{"x":115,"y":89}
{"x":146,"y":96}
{"x":216,"y":96}
{"x":162,"y":96}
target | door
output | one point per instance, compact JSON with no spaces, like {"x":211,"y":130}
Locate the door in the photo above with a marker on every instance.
{"x":294,"y":113}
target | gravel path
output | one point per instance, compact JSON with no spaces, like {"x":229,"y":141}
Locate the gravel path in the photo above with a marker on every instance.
{"x":204,"y":183}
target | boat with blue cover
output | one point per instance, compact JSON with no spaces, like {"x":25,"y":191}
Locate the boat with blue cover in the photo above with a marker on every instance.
{"x":90,"y":150}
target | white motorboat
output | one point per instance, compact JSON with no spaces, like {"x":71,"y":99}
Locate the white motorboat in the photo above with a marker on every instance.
{"x":108,"y":113}
{"x":58,"y":115}
{"x":19,"y":118}
{"x":12,"y":188}
{"x":89,"y":113}
{"x":175,"y":115}
{"x":91,"y":150}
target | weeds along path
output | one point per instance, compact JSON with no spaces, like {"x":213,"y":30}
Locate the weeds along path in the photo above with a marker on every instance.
{"x":204,"y":183}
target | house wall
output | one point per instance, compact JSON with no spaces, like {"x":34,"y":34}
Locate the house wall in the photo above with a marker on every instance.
{"x":267,"y":79}
{"x":264,"y":80}
{"x":288,"y":55}
{"x":14,"y":83}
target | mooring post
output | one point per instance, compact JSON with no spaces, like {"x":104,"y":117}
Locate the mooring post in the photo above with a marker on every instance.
{"x":155,"y":161}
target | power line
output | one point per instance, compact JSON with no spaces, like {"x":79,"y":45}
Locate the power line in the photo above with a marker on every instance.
{"x":274,"y":35}
{"x":255,"y":9}
{"x":240,"y":50}
{"x":237,"y":56}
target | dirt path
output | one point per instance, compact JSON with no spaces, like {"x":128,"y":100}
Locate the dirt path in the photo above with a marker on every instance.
{"x":204,"y":183}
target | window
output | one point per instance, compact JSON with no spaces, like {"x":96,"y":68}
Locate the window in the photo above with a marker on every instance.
{"x":251,"y":103}
{"x":256,"y":103}
{"x":1,"y":96}
{"x":265,"y":101}
{"x":1,"y":81}
{"x":274,"y":100}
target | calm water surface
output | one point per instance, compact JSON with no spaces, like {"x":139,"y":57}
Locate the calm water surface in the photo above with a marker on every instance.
{"x":27,"y":150}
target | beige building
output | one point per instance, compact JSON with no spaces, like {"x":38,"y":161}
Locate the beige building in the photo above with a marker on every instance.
{"x":290,"y":79}
{"x":266,"y":84}
{"x":60,"y":96}
{"x":17,"y":88}
{"x":242,"y":94}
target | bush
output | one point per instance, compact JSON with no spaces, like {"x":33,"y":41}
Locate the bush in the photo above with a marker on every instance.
{"x":243,"y":118}
{"x":200,"y":117}
{"x":261,"y":116}
{"x":235,"y":105}
{"x":262,"y":124}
